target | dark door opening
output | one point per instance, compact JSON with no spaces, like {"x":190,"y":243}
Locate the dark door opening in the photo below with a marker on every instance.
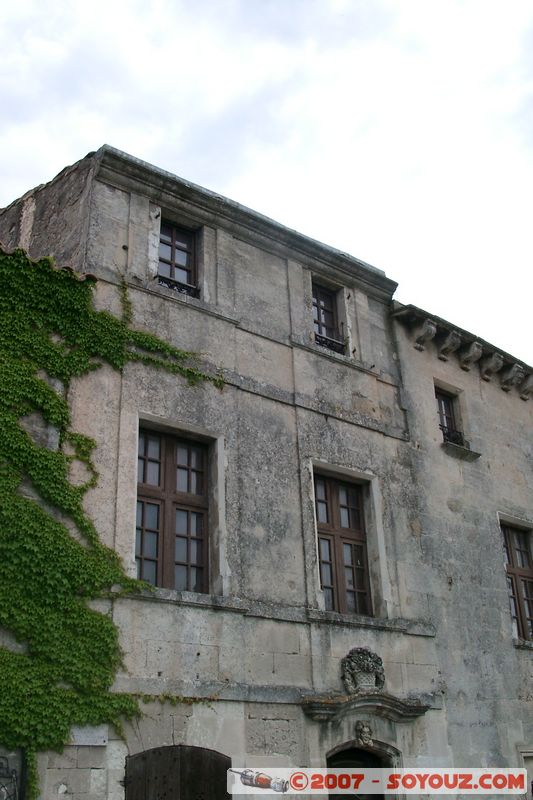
{"x":354,"y":758}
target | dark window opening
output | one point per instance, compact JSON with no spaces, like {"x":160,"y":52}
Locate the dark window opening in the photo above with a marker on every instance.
{"x":171,"y":547}
{"x":177,"y":259}
{"x":447,"y":418}
{"x":325,"y":321}
{"x":519,"y":564}
{"x":342,"y":547}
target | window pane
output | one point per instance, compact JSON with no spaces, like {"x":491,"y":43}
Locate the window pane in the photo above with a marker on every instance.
{"x":182,"y":484}
{"x":326,"y":575}
{"x":150,"y":544}
{"x":325,"y":550}
{"x":197,"y":524}
{"x":149,"y":572}
{"x":166,"y":231}
{"x":181,"y":275}
{"x":181,"y":549}
{"x":154,"y":446}
{"x":328,"y":597}
{"x":164,"y":269}
{"x":322,"y":511}
{"x":350,"y":601}
{"x":196,"y":552}
{"x":138,"y":533}
{"x":181,"y":257}
{"x":165,"y":251}
{"x":345,"y":520}
{"x":197,"y":458}
{"x":152,"y":473}
{"x":181,"y":521}
{"x":343,"y":500}
{"x":180,"y":577}
{"x":151,"y":516}
{"x":197,"y":576}
{"x":183,"y":238}
{"x":348,"y":577}
{"x":182,"y":455}
{"x":347,"y":550}
{"x":139,"y":513}
{"x":140,"y":470}
{"x":197,"y":483}
{"x":141,"y":444}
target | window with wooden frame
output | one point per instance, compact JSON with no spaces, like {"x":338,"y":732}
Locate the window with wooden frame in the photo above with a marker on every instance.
{"x":325,"y":319}
{"x":177,"y":259}
{"x":519,"y":564}
{"x":448,"y":418}
{"x":171,"y":547}
{"x":342,"y":546}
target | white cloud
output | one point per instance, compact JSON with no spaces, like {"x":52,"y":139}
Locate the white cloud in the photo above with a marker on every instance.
{"x":395,"y":129}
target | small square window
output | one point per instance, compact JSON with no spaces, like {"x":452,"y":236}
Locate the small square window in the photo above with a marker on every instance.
{"x":519,"y":565}
{"x":448,"y":417}
{"x":177,"y":259}
{"x":328,"y":332}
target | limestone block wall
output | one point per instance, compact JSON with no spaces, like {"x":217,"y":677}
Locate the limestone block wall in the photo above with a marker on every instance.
{"x":461,"y":506}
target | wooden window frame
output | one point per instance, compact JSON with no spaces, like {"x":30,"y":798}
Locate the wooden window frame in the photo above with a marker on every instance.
{"x":338,"y":538}
{"x":519,"y":578}
{"x":180,"y":240}
{"x":166,"y":496}
{"x":448,"y":417}
{"x":325,"y":302}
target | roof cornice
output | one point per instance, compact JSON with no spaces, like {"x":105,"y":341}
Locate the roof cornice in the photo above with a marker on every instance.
{"x":447,"y":340}
{"x":124,"y":171}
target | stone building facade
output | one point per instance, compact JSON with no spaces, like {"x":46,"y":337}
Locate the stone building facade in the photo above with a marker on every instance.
{"x":355,"y":485}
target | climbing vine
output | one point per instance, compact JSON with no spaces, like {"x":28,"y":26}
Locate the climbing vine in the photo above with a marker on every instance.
{"x":60,"y":655}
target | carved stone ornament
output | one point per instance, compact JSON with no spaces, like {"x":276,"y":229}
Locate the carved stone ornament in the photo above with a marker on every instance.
{"x":490,"y":365}
{"x":427,"y":332}
{"x":362,"y":670}
{"x":363,"y":733}
{"x":527,"y":387}
{"x":451,"y":343}
{"x":469,"y":356}
{"x":512,"y":377}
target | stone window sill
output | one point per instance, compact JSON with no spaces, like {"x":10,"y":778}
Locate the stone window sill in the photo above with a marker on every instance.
{"x":298,"y":614}
{"x":458,"y":451}
{"x":523,"y":644}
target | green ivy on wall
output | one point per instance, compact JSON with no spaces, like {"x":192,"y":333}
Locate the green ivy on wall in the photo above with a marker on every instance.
{"x":60,"y":671}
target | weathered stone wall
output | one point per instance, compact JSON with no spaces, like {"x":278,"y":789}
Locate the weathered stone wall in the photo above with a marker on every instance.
{"x":261,"y":641}
{"x":461,"y":503}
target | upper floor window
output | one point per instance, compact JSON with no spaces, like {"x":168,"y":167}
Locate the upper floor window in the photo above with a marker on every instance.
{"x":519,"y":563}
{"x":447,"y":414}
{"x":171,"y":547}
{"x":177,"y":259}
{"x":342,"y":546}
{"x":325,"y":319}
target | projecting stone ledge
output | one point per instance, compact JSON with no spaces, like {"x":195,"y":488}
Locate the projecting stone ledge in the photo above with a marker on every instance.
{"x":329,"y":707}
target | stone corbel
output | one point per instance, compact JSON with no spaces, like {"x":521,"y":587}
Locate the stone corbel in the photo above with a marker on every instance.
{"x":469,"y":356}
{"x":527,"y":387}
{"x":427,"y":332}
{"x":449,"y":345}
{"x":512,"y":377}
{"x":490,"y":365}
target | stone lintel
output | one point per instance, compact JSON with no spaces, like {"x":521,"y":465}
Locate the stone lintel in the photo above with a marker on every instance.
{"x":326,"y":708}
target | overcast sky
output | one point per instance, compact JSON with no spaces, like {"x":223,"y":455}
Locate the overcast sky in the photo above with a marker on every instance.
{"x":399,"y":131}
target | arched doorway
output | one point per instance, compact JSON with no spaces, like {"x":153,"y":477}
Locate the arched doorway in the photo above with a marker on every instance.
{"x":178,"y":772}
{"x":355,"y":758}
